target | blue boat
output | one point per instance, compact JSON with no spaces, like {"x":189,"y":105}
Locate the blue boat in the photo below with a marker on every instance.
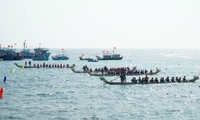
{"x":92,"y":60}
{"x":41,"y":54}
{"x":9,"y":54}
{"x":26,"y":53}
{"x":60,"y":57}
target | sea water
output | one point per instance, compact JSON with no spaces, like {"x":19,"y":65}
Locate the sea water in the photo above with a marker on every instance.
{"x":60,"y":94}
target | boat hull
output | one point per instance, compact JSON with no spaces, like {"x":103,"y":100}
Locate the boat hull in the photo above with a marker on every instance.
{"x":135,"y":83}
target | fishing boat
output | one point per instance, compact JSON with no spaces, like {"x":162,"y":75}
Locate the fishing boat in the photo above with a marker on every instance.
{"x":9,"y":54}
{"x":148,"y":82}
{"x":109,"y":56}
{"x":45,"y":66}
{"x":82,"y":58}
{"x":133,"y":73}
{"x":92,"y":60}
{"x":41,"y":54}
{"x":60,"y":56}
{"x":26,"y":53}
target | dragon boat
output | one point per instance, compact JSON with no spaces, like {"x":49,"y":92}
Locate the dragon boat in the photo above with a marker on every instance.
{"x":90,"y":72}
{"x":45,"y":66}
{"x":148,"y":82}
{"x":127,"y":73}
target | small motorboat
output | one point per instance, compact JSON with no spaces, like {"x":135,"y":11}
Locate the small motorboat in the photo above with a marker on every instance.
{"x":60,"y":57}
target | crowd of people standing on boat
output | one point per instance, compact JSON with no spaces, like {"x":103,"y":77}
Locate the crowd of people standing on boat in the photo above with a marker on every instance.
{"x":146,"y":79}
{"x":117,"y":71}
{"x":45,"y":65}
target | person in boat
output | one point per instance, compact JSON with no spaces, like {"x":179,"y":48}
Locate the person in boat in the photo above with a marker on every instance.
{"x":29,"y":63}
{"x":134,"y":80}
{"x":172,"y":80}
{"x":123,"y":78}
{"x":177,"y":79}
{"x":184,"y":79}
{"x":151,"y":80}
{"x":44,"y":64}
{"x":38,"y":65}
{"x":139,"y":79}
{"x":146,"y":78}
{"x":145,"y":71}
{"x":167,"y":79}
{"x":151,"y":71}
{"x":25,"y":63}
{"x":162,"y":80}
{"x":156,"y":80}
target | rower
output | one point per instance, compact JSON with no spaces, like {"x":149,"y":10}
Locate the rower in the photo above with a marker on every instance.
{"x":122,"y":78}
{"x":184,"y":79}
{"x":156,"y":80}
{"x":146,"y":79}
{"x":172,"y":80}
{"x":167,"y":79}
{"x":151,"y":81}
{"x":134,"y":80}
{"x":29,"y":63}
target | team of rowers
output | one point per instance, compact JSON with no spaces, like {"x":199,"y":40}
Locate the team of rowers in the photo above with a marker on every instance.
{"x":116,"y":71}
{"x":44,"y":65}
{"x":146,"y":79}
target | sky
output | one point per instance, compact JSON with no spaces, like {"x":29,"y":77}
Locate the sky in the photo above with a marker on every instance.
{"x":100,"y":23}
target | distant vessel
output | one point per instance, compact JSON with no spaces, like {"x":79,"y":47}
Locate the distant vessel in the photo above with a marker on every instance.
{"x":60,"y":56}
{"x":110,"y":57}
{"x":41,"y":54}
{"x":84,"y":58}
{"x":9,"y":54}
{"x":92,"y":60}
{"x":26,"y":53}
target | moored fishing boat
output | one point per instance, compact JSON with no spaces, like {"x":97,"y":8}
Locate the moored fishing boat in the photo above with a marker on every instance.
{"x":109,"y":56}
{"x":41,"y":54}
{"x":134,"y":82}
{"x":60,"y":57}
{"x":26,"y":53}
{"x":9,"y":54}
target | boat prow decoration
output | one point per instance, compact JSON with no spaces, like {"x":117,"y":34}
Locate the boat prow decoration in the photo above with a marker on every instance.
{"x":77,"y":71}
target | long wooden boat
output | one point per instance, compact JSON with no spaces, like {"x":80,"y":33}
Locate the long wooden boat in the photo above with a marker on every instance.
{"x":133,"y":74}
{"x":144,"y":83}
{"x":46,"y":66}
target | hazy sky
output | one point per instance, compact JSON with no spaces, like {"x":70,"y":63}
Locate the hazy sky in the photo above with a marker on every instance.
{"x":100,"y":23}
